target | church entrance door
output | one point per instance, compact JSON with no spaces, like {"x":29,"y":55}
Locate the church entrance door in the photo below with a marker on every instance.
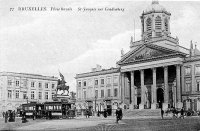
{"x":160,"y":97}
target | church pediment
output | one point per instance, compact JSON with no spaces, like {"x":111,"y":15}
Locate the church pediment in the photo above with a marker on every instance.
{"x":146,"y":52}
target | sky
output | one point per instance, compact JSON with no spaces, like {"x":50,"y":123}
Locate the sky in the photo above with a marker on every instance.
{"x":72,"y":42}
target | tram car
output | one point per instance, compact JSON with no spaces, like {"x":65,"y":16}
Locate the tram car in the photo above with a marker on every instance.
{"x":49,"y":110}
{"x":59,"y":109}
{"x":33,"y":108}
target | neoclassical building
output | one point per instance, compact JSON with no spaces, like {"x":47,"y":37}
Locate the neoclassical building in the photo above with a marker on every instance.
{"x":20,"y":88}
{"x":157,"y":71}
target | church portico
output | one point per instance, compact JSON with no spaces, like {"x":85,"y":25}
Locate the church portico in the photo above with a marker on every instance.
{"x":151,"y":88}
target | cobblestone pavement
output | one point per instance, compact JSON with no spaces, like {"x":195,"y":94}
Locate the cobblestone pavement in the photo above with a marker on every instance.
{"x":107,"y":124}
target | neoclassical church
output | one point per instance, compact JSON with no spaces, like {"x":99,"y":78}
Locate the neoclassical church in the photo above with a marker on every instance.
{"x":157,"y":71}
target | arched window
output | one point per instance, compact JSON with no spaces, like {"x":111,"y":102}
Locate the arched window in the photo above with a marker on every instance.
{"x":158,"y":23}
{"x":148,"y":23}
{"x":166,"y":25}
{"x":149,"y":27}
{"x":158,"y":26}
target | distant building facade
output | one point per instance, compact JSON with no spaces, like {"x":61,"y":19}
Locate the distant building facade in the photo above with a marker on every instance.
{"x":100,"y":87}
{"x":156,"y":73}
{"x":20,"y":88}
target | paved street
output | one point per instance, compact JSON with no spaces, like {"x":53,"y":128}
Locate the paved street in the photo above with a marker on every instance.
{"x":106,"y":124}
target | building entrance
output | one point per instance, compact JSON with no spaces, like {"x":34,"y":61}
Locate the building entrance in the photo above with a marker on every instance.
{"x":160,"y":97}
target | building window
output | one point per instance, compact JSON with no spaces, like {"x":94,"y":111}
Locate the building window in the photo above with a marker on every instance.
{"x":84,"y":83}
{"x":40,"y":85}
{"x":102,"y":81}
{"x":53,"y":85}
{"x":96,"y":93}
{"x":52,"y":95}
{"x":17,"y":83}
{"x":79,"y":84}
{"x":9,"y":94}
{"x":89,"y":82}
{"x":149,"y":24}
{"x":158,"y":23}
{"x":115,"y":92}
{"x":32,"y":94}
{"x":115,"y":80}
{"x":109,"y":80}
{"x":158,"y":26}
{"x":40,"y":95}
{"x":102,"y":93}
{"x":188,"y":85}
{"x":108,"y":92}
{"x":96,"y":82}
{"x":32,"y":84}
{"x":9,"y":82}
{"x":84,"y":94}
{"x":166,"y":24}
{"x":24,"y":95}
{"x":17,"y":94}
{"x":197,"y":69}
{"x":46,"y":95}
{"x":198,"y":86}
{"x":187,"y":71}
{"x":46,"y":85}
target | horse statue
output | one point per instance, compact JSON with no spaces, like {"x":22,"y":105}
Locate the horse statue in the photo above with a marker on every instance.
{"x":61,"y":85}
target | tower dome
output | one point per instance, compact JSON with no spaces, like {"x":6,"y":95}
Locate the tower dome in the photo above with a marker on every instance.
{"x":154,"y":7}
{"x":155,"y":21}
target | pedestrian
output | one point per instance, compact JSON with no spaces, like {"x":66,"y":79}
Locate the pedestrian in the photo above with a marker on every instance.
{"x":118,"y":114}
{"x":3,"y":114}
{"x":162,"y":113}
{"x":98,"y":114}
{"x":182,"y":112}
{"x":6,"y":117}
{"x":105,"y":113}
{"x":14,"y":115}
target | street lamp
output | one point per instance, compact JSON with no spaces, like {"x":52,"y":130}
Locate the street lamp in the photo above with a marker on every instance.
{"x":95,"y":103}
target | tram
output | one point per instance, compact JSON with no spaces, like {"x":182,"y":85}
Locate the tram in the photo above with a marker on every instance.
{"x":49,"y":110}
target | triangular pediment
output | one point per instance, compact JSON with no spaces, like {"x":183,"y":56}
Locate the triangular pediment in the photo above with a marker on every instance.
{"x":146,"y":52}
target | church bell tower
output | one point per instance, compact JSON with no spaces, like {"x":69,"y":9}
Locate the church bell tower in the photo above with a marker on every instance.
{"x":155,"y":21}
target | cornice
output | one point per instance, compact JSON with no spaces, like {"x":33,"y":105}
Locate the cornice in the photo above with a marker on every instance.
{"x":151,"y":59}
{"x":96,"y":73}
{"x":26,"y":75}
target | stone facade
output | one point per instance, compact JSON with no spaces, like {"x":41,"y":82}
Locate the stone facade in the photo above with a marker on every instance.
{"x":156,"y":72}
{"x":98,"y":89}
{"x":19,"y":88}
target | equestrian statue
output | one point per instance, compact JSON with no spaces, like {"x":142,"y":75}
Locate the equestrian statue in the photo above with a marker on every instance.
{"x":61,"y":85}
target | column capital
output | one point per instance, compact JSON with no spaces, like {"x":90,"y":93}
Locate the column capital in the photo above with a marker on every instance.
{"x":165,"y":68}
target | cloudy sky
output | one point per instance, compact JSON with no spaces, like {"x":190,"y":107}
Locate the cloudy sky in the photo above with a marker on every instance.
{"x":43,"y":42}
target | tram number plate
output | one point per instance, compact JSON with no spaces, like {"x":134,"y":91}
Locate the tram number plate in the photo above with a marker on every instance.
{"x":29,"y":114}
{"x":57,"y":114}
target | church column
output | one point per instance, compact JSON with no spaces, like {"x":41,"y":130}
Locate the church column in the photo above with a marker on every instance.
{"x":154,"y":102}
{"x":122,"y":90}
{"x":132,"y":90}
{"x":166,"y":98}
{"x":178,"y":87}
{"x":141,"y":106}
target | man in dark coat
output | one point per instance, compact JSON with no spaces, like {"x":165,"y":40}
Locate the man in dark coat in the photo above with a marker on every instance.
{"x":118,"y":114}
{"x":162,"y":113}
{"x":6,"y":117}
{"x":182,"y":113}
{"x":105,"y":113}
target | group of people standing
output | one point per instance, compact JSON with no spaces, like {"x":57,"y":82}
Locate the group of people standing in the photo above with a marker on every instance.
{"x":9,"y":116}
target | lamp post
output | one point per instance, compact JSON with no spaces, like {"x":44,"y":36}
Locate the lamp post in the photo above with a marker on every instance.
{"x":95,"y":100}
